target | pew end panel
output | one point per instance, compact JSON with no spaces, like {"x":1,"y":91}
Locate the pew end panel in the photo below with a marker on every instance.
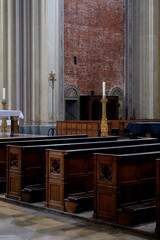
{"x":24,"y":168}
{"x":2,"y":170}
{"x":55,"y":179}
{"x":105,"y":187}
{"x":75,"y":176}
{"x":14,"y":173}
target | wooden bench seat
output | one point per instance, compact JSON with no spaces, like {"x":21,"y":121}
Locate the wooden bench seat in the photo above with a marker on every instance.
{"x":79,"y":202}
{"x":34,"y":193}
{"x":137,"y":213}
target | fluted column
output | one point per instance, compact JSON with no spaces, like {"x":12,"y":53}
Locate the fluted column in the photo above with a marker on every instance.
{"x":27,"y":61}
{"x":18,"y":55}
{"x":142,"y":81}
{"x":61,"y":60}
{"x":143,"y":58}
{"x":11,"y":53}
{"x":35,"y":56}
{"x":30,"y":49}
{"x":3,"y":46}
{"x":158,"y":9}
{"x":148,"y":61}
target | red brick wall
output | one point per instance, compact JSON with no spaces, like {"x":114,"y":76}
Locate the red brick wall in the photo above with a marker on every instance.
{"x":94,"y":33}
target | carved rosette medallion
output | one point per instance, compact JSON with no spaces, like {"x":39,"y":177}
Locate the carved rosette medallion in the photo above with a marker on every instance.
{"x":106,"y":173}
{"x":55,"y":165}
{"x":13,"y":160}
{"x":71,"y":93}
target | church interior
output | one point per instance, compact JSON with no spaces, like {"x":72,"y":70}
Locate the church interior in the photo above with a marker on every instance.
{"x":79,"y":119}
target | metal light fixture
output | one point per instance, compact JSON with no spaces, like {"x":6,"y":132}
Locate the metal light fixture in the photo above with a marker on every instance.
{"x":52,"y":79}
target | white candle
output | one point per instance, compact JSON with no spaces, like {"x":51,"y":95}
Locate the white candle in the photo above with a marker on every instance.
{"x":4,"y":93}
{"x":104,"y":89}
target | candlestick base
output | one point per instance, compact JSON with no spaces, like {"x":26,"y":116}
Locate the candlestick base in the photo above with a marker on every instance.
{"x":104,"y":124}
{"x":4,"y":120}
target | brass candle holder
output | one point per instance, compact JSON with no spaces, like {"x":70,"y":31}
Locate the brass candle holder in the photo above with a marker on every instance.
{"x":4,"y":120}
{"x":104,"y":124}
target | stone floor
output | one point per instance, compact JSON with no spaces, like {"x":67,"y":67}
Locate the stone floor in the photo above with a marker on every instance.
{"x":25,"y":223}
{"x":17,"y":223}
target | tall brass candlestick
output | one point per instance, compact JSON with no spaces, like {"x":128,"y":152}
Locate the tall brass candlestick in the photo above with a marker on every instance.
{"x":4,"y":120}
{"x":104,"y":125}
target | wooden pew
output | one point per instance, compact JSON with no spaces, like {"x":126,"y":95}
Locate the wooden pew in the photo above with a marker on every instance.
{"x":17,"y":140}
{"x":56,"y":140}
{"x":33,"y":140}
{"x":125,"y":187}
{"x":22,"y":159}
{"x":157,"y":229}
{"x":53,"y":140}
{"x":70,"y":172}
{"x":33,"y":137}
{"x":37,"y":154}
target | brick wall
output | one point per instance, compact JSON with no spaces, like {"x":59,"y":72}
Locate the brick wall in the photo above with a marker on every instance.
{"x":94,"y":33}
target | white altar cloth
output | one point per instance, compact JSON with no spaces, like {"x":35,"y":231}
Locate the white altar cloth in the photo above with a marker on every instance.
{"x":11,"y":113}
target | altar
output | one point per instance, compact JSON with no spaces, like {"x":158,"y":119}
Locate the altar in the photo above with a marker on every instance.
{"x":14,"y":115}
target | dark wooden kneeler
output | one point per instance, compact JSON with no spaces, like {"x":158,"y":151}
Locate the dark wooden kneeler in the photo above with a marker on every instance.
{"x":79,"y":202}
{"x":2,"y":185}
{"x":137,"y":213}
{"x":35,"y":193}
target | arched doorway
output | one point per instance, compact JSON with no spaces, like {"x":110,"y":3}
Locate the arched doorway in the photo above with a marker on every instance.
{"x":117,"y":91}
{"x":71,"y":96}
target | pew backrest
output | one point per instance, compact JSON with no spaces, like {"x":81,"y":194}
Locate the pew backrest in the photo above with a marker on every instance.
{"x":72,"y":171}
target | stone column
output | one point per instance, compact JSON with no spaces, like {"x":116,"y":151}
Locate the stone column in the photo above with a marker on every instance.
{"x":35,"y":56}
{"x":18,"y":55}
{"x":142,"y":59}
{"x":61,"y":60}
{"x":3,"y":46}
{"x":148,"y":60}
{"x":26,"y":60}
{"x":159,"y":54}
{"x":30,"y":43}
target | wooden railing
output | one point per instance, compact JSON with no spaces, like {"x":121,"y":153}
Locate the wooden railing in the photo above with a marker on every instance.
{"x":92,"y":128}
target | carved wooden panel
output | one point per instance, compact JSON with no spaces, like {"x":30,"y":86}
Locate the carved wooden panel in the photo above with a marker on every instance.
{"x":106,"y":173}
{"x":71,"y":93}
{"x":13,"y":160}
{"x":55,"y":165}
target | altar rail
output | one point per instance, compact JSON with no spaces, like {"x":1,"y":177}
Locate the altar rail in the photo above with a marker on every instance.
{"x":92,"y":128}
